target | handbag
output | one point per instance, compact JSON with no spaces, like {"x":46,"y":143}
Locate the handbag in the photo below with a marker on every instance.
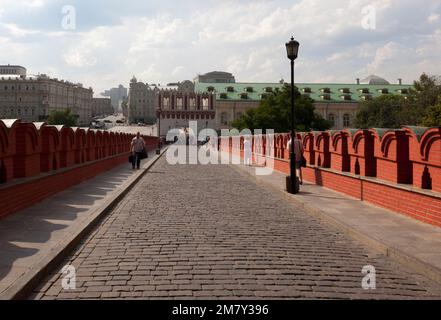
{"x":131,"y":158}
{"x":143,"y":154}
{"x":303,"y":162}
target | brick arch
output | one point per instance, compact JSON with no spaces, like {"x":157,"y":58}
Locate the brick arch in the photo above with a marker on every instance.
{"x":308,"y":147}
{"x":430,"y":146}
{"x":386,"y":142}
{"x":340,"y":151}
{"x":50,"y":144}
{"x":90,"y":145}
{"x":322,"y":153}
{"x":105,"y":145}
{"x":280,"y":148}
{"x":67,"y":147}
{"x":4,"y":139}
{"x":80,"y":145}
{"x":27,"y":150}
{"x":98,"y":144}
{"x":362,"y":153}
{"x":4,"y":147}
{"x":112,"y":143}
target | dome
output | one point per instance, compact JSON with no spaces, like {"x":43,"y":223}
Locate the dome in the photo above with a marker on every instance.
{"x":375,"y":80}
{"x":134,"y":80}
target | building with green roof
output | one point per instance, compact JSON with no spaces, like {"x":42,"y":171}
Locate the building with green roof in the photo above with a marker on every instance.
{"x":337,"y":102}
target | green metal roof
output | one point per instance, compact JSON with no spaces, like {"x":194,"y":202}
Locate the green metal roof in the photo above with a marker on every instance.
{"x":254,"y":91}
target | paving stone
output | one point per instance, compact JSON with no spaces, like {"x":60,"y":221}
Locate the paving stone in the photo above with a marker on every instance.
{"x":207,"y":232}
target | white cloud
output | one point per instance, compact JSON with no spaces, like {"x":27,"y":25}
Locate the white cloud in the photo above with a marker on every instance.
{"x":243,"y":37}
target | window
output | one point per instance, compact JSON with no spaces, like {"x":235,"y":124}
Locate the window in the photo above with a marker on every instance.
{"x":204,"y":103}
{"x":268,"y":89}
{"x":325,"y":97}
{"x":223,"y":95}
{"x":192,"y":103}
{"x":384,"y":91}
{"x":210,"y":89}
{"x":346,"y":97}
{"x":346,"y":120}
{"x":344,"y":90}
{"x":364,"y":91}
{"x":179,"y":103}
{"x":366,"y":97}
{"x":331,"y":117}
{"x":166,"y":102}
{"x":244,"y":96}
{"x":249,"y":89}
{"x":306,"y":90}
{"x":230,"y":89}
{"x":224,"y":118}
{"x":326,"y":90}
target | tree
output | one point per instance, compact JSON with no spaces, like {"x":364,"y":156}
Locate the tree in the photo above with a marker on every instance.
{"x":388,"y":111}
{"x":433,"y":116}
{"x":62,"y":117}
{"x":420,"y":107}
{"x":426,"y":91}
{"x":274,"y":112}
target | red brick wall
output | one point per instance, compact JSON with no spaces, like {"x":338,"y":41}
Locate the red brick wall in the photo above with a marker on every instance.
{"x":390,"y":163}
{"x":27,"y":151}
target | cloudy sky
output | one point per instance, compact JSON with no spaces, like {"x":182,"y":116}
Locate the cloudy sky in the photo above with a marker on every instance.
{"x":105,"y":42}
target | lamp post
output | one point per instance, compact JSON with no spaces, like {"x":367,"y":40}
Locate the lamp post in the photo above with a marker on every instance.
{"x":292,"y":49}
{"x":158,"y":128}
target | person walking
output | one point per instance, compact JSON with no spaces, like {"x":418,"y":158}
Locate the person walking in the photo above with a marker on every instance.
{"x":138,"y":149}
{"x":247,"y":152}
{"x":298,"y":154}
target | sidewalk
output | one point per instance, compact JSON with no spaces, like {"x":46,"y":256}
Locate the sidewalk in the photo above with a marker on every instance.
{"x":414,"y":244}
{"x":34,"y":239}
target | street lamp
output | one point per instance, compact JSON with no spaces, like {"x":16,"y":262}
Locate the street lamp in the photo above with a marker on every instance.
{"x":292,"y":49}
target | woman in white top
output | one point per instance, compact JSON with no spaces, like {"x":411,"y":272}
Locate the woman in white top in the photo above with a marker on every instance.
{"x":298,"y":152}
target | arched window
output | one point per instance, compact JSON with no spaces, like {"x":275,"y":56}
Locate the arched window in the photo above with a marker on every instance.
{"x":346,"y":120}
{"x":179,"y":103}
{"x":192,"y":103}
{"x":166,"y":102}
{"x":331,"y":117}
{"x":204,"y":103}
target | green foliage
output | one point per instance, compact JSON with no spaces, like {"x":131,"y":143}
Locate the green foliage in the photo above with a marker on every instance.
{"x":427,"y":91}
{"x":274,"y":112}
{"x":433,"y":116}
{"x":388,"y":111}
{"x":393,"y":111}
{"x":63,"y":117}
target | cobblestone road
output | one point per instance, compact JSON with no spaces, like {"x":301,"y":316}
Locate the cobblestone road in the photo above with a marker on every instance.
{"x":198,"y":231}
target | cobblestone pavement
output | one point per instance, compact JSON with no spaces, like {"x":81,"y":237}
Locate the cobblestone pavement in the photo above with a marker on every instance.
{"x":194,"y":231}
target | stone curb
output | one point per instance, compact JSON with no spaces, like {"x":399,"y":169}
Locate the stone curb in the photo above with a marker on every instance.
{"x":23,"y":287}
{"x":412,"y":262}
